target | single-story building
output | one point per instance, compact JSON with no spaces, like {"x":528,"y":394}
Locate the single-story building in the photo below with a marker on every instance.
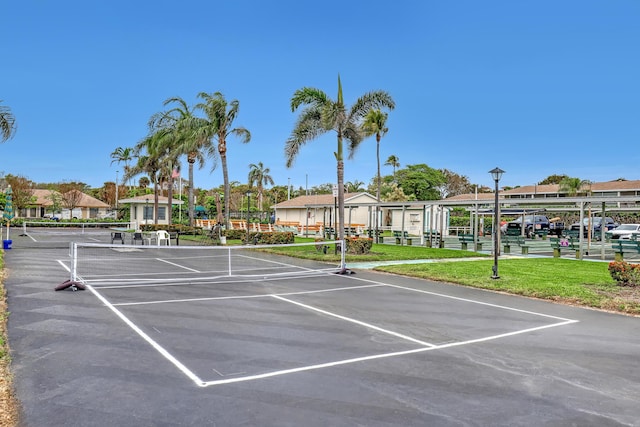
{"x":85,"y":206}
{"x":142,"y":212}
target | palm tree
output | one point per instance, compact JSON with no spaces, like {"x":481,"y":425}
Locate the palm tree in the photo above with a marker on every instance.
{"x":353,"y":187}
{"x":572,"y":186}
{"x":7,"y":123}
{"x":181,"y":138}
{"x":393,"y":161}
{"x":375,"y":123}
{"x":259,"y":175}
{"x":124,"y":155}
{"x":322,"y":115}
{"x":217,"y":124}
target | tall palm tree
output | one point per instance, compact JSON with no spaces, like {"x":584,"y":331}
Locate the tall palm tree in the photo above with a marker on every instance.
{"x":322,"y":115}
{"x":122,"y":155}
{"x":7,"y":123}
{"x":181,"y":138}
{"x":375,"y":123}
{"x":218,"y":125}
{"x":353,"y":187}
{"x":259,"y":175}
{"x":573,"y":186}
{"x":393,"y":161}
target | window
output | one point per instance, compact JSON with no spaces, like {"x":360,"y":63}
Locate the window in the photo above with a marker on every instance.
{"x":93,"y":212}
{"x":147,"y":212}
{"x":162,"y":213}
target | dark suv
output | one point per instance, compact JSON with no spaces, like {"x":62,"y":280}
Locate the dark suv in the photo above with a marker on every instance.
{"x":596,"y":226}
{"x":514,"y":227}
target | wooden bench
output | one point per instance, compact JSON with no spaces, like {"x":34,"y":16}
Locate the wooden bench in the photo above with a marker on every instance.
{"x":621,"y":246}
{"x":559,"y":243}
{"x":465,"y":239}
{"x":507,"y":241}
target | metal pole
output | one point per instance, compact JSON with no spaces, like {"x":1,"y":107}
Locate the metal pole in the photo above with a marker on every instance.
{"x":496,"y":230}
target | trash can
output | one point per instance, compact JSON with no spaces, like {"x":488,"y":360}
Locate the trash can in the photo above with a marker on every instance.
{"x":6,"y":244}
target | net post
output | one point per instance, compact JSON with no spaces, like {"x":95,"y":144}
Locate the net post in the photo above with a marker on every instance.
{"x":229,"y":258}
{"x":73,"y":253}
{"x":343,"y":258}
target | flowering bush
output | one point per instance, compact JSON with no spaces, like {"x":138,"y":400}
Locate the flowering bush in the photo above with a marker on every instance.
{"x":625,"y":274}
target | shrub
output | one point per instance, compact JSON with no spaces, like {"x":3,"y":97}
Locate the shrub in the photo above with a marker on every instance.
{"x":358,"y":245}
{"x":625,"y":274}
{"x":269,"y":238}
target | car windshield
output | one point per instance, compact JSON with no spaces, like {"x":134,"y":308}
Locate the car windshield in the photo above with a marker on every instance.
{"x":594,"y":221}
{"x":624,"y":227}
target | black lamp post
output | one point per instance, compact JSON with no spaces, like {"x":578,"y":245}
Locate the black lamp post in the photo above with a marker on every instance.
{"x":145,"y":214}
{"x":248,"y":213}
{"x":496,"y":174}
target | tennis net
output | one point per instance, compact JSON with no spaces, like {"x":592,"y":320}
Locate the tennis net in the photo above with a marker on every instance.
{"x":68,"y":227}
{"x":101,"y":265}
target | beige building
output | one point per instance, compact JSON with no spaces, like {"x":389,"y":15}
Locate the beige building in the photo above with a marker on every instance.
{"x":86,"y":206}
{"x":142,"y":212}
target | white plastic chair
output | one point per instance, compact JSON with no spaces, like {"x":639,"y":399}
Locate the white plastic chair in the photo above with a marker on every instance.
{"x":162,"y":235}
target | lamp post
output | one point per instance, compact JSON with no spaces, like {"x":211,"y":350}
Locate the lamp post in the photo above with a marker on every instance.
{"x":145,"y":214}
{"x":248,"y":213}
{"x":496,"y":174}
{"x":288,"y":188}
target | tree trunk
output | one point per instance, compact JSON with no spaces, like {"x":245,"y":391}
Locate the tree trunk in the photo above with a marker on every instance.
{"x":170,"y":199}
{"x":190,"y":194}
{"x":225,"y":176}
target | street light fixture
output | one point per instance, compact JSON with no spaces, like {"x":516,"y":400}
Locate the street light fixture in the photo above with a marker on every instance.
{"x":496,"y":174}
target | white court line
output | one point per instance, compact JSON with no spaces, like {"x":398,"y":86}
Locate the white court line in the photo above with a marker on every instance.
{"x":149,"y":340}
{"x":172,"y":301}
{"x":373,"y":357}
{"x":357,"y":322}
{"x":178,"y":265}
{"x":199,"y":382}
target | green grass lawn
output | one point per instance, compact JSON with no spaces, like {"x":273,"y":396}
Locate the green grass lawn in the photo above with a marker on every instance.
{"x":568,"y":281}
{"x":379,"y":252}
{"x":574,"y":282}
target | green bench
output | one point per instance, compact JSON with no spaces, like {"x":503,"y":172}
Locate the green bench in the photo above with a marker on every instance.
{"x":465,"y":239}
{"x":571,"y":234}
{"x":399,"y":235}
{"x":432,"y":238}
{"x":508,"y":241}
{"x":559,"y":243}
{"x":621,"y":246}
{"x":543,"y":233}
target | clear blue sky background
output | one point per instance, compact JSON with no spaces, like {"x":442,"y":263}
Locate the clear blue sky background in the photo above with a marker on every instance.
{"x":535,"y":87}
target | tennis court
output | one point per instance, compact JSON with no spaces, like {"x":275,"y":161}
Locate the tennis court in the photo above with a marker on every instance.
{"x":183,"y":336}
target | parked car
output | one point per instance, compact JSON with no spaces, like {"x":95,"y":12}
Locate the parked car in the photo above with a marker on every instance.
{"x":515,"y":227}
{"x":624,"y":231}
{"x":596,"y":226}
{"x":53,"y":217}
{"x":556,"y":226}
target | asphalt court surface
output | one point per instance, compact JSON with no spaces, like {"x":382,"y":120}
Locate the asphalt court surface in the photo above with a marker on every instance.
{"x":369,"y":349}
{"x":335,"y":313}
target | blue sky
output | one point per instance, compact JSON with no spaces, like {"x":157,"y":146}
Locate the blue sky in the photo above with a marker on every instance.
{"x":534,"y":87}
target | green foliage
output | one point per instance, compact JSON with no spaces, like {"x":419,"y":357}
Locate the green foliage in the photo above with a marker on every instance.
{"x":272,"y":238}
{"x":421,"y":181}
{"x":625,"y":274}
{"x":358,"y":245}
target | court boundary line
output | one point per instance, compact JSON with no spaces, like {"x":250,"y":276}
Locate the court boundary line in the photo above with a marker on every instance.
{"x":202,"y":383}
